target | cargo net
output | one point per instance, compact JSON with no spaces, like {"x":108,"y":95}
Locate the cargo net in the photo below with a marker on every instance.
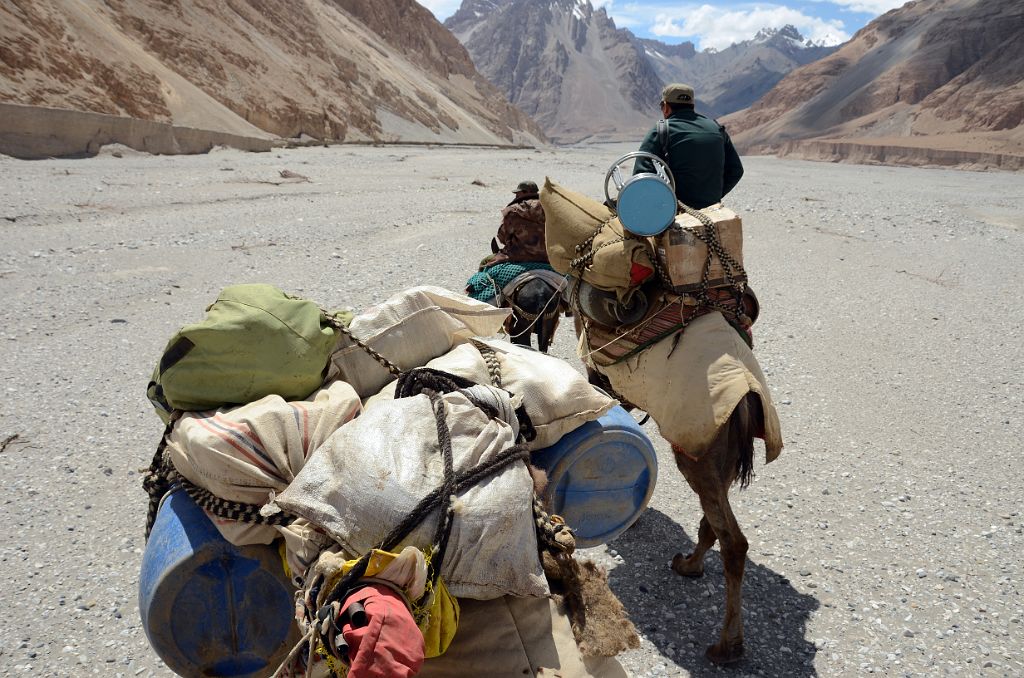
{"x":735,"y":274}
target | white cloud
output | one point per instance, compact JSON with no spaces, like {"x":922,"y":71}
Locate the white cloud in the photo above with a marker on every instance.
{"x":719,"y":28}
{"x":631,"y":14}
{"x":867,"y":6}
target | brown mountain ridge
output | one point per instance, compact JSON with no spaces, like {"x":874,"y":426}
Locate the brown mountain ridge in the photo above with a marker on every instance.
{"x":935,"y":82}
{"x":335,"y":70}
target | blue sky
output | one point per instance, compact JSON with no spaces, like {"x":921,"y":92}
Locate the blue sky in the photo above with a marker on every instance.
{"x":720,"y":24}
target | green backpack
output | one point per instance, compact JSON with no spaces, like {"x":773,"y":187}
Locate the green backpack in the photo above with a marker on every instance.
{"x":254,"y":341}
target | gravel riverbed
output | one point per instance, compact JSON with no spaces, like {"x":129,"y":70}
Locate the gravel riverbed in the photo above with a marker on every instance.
{"x":887,"y":538}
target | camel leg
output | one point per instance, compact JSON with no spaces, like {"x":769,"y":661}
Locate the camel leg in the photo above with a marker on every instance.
{"x":734,"y":555}
{"x":693,"y":564}
{"x":710,"y":476}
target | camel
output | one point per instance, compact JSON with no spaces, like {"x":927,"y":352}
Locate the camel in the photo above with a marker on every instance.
{"x":726,"y":461}
{"x":729,"y":460}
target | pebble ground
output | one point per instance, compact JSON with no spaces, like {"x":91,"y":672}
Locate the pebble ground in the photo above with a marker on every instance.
{"x":886,"y":539}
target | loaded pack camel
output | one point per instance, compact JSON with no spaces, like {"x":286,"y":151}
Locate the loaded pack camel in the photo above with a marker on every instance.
{"x":710,"y":469}
{"x":664,"y":319}
{"x":532,"y":291}
{"x":536,"y":307}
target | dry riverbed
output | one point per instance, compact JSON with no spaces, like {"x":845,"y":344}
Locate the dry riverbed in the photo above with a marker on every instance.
{"x":886,"y":539}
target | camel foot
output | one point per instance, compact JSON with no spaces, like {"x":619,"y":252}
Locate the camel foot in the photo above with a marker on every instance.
{"x":687,"y":566}
{"x":725,"y":653}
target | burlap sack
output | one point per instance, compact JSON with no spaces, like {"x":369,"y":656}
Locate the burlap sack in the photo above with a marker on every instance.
{"x":690,"y":383}
{"x":368,"y":477}
{"x":620,"y":262}
{"x":409,"y":329}
{"x":557,"y":397}
{"x":248,"y":453}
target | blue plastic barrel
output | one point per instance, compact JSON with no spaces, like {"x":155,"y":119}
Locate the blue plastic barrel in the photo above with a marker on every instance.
{"x":210,"y":608}
{"x":600,"y":476}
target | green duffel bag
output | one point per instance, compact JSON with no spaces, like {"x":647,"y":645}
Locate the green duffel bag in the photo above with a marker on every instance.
{"x":254,"y":341}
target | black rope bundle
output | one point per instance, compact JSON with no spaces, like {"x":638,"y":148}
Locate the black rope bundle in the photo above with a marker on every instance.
{"x":155,"y":481}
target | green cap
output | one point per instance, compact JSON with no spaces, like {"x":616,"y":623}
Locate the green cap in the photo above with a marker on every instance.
{"x":677,"y":93}
{"x":526,"y":187}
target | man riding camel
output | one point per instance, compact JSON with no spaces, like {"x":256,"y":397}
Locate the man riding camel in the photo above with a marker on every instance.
{"x":696,"y":148}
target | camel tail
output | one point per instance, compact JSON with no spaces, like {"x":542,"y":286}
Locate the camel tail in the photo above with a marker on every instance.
{"x":745,"y":427}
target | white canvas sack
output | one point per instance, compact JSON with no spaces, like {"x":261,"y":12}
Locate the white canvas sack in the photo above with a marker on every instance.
{"x":409,"y":329}
{"x":368,"y":476}
{"x":557,"y":397}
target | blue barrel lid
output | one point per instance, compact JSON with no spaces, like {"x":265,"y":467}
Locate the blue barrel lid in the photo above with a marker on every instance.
{"x":209,"y":607}
{"x":600,"y":476}
{"x":646,"y":205}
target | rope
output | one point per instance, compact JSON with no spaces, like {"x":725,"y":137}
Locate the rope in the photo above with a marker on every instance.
{"x":162,"y":476}
{"x":155,"y":481}
{"x":732,"y":268}
{"x":432,"y":383}
{"x":385,"y":363}
{"x":527,"y":432}
{"x":491,"y":360}
{"x":544,"y":313}
{"x":462,"y":481}
{"x":293,"y":655}
{"x":444,"y":525}
{"x":552,"y":532}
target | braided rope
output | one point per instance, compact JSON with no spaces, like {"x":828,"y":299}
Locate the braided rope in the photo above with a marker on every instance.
{"x":384,"y":362}
{"x":552,"y":532}
{"x":155,"y":481}
{"x":162,"y":476}
{"x":491,"y":360}
{"x":444,"y":525}
{"x":225,"y":509}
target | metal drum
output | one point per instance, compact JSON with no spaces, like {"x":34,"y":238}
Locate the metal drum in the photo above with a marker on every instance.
{"x":600,"y":476}
{"x":210,"y":608}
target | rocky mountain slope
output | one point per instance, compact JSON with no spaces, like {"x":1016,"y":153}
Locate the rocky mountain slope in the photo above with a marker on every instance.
{"x":564,"y":63}
{"x":350,"y":70}
{"x":933,"y":82}
{"x":737,"y":76}
{"x":568,"y":66}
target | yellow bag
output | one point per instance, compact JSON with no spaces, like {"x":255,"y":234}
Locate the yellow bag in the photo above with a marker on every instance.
{"x":584,"y":239}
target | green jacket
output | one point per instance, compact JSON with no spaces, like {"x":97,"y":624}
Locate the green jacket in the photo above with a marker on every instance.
{"x":701,"y":156}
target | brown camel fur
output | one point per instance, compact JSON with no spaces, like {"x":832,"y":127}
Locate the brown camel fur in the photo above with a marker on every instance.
{"x":728,"y":460}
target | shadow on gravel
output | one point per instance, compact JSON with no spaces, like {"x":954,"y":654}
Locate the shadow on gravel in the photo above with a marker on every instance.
{"x":681,"y":616}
